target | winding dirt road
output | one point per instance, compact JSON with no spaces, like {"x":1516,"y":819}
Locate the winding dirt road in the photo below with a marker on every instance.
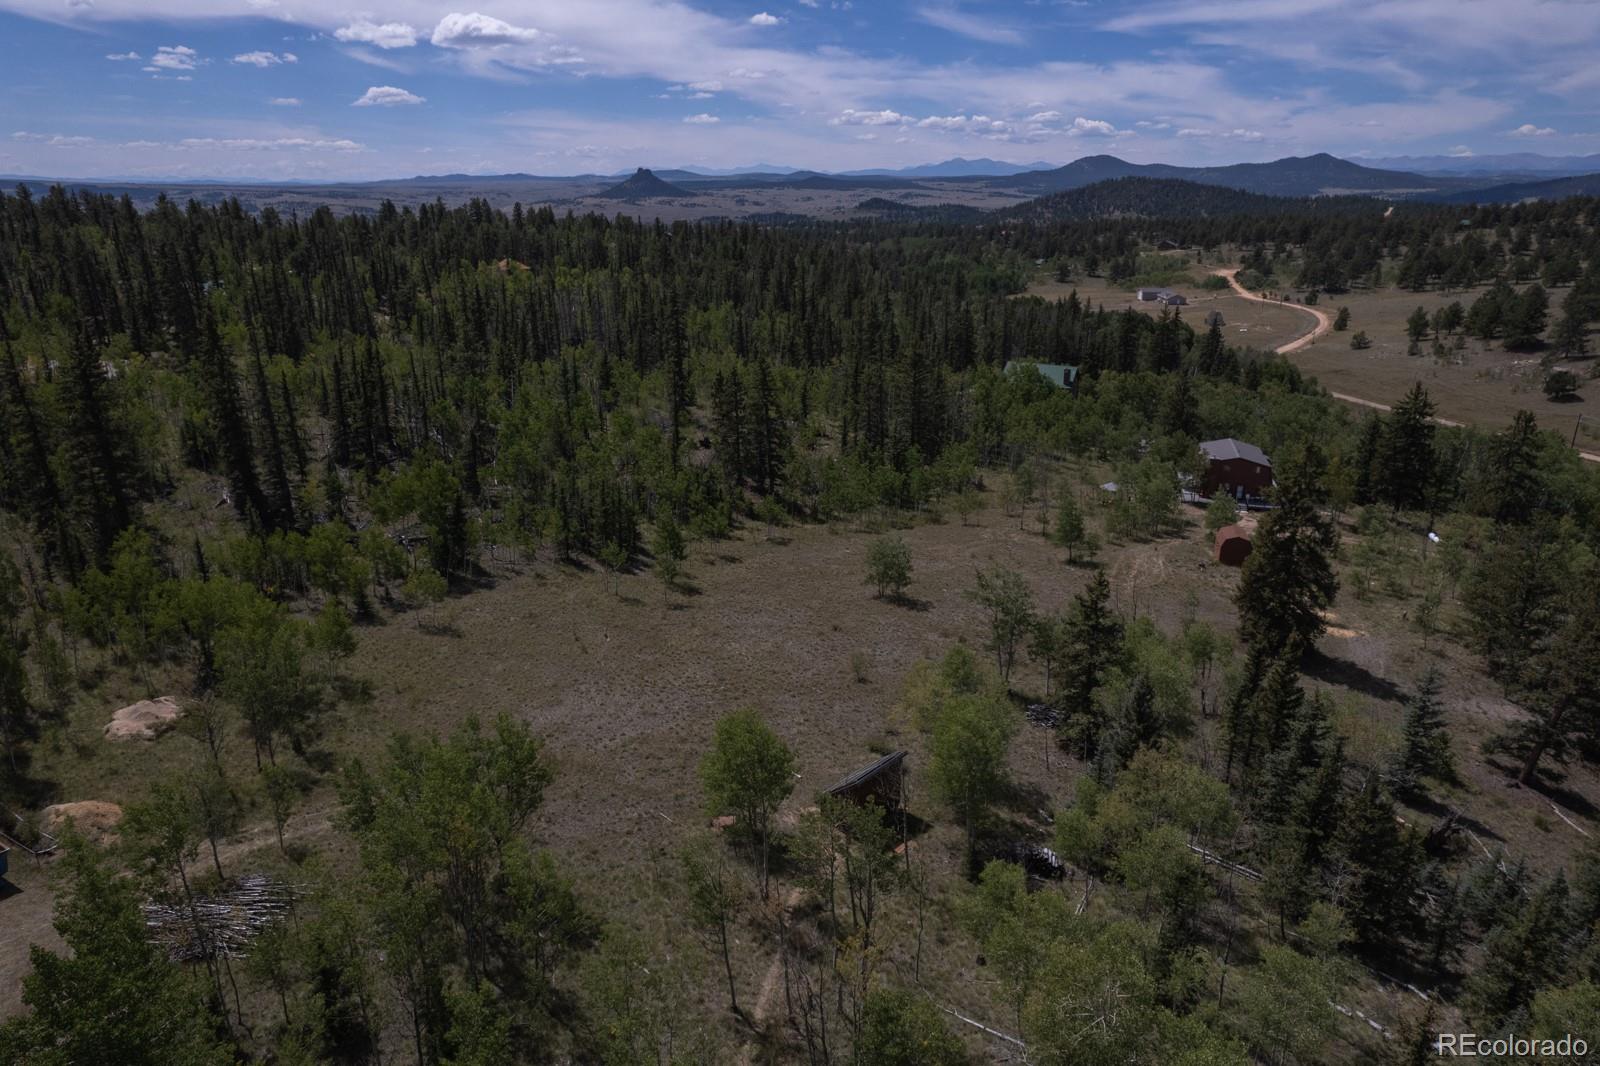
{"x":1324,"y":324}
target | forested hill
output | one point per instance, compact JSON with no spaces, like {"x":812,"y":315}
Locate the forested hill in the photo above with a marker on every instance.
{"x":1312,"y":175}
{"x":1516,"y":192}
{"x":237,"y":449}
{"x":1173,"y":198}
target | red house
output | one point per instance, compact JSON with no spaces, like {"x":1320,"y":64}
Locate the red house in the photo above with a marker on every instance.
{"x":1241,"y":470}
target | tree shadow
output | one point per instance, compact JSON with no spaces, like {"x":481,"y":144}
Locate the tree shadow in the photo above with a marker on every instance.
{"x":1346,"y":674}
{"x":1555,"y":790}
{"x":908,"y":602}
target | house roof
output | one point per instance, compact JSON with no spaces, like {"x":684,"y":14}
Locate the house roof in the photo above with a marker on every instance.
{"x":1227,"y":533}
{"x":1228,"y":448}
{"x":1059,"y":374}
{"x":867,"y":773}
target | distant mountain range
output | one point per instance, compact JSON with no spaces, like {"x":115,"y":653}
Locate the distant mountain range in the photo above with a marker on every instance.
{"x":953,"y":168}
{"x":935,"y":189}
{"x":1312,"y":175}
{"x":1509,"y":165}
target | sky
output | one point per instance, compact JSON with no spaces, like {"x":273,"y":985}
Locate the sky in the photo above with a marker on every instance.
{"x":366,"y":89}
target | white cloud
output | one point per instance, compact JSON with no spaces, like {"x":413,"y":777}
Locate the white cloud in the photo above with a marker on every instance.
{"x":386,"y":96}
{"x":1528,"y":129}
{"x":264,"y":59}
{"x":702,"y":120}
{"x":1460,"y":151}
{"x":966,"y":124}
{"x":256,"y":144}
{"x":175,"y":57}
{"x":383,"y":35}
{"x":120,"y":57}
{"x":1193,"y":131}
{"x":52,"y":140}
{"x":763,"y":19}
{"x":851,"y":117}
{"x":985,"y":29}
{"x":1045,"y":116}
{"x":706,"y":86}
{"x":1091,"y":127}
{"x":457,"y":30}
{"x":285,"y":101}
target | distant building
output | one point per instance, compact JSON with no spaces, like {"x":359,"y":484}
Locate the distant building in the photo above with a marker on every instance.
{"x":1241,"y":470}
{"x":1162,"y":296}
{"x":1060,"y":375}
{"x":1214,"y":318}
{"x":1166,"y":244}
{"x":1232,"y":546}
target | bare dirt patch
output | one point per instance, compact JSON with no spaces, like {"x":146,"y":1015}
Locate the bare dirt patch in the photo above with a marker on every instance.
{"x":97,"y":820}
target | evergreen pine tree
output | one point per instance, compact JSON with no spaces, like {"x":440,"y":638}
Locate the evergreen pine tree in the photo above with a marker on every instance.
{"x":1288,"y":580}
{"x":1425,"y":742}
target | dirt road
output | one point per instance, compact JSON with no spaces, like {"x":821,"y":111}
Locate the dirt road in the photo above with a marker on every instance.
{"x":1324,"y":324}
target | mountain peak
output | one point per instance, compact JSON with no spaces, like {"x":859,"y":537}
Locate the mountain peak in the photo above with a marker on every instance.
{"x":643,"y":185}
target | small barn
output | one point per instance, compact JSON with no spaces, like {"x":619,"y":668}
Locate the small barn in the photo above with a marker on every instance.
{"x":1172,"y":299}
{"x":882,"y":782}
{"x":1060,"y":375}
{"x":1241,"y":470}
{"x":1232,"y":546}
{"x":1149,"y":294}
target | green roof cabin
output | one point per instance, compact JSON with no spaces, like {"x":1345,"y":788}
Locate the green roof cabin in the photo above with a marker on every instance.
{"x":1058,"y":374}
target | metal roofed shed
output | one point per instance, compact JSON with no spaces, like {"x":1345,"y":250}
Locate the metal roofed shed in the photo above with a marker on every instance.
{"x":1060,"y":375}
{"x":880,"y":782}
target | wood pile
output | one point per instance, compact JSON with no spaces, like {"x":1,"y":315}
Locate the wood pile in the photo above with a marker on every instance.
{"x":221,"y":925}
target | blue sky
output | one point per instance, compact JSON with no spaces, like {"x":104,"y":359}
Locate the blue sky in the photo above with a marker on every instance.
{"x":325,"y":89}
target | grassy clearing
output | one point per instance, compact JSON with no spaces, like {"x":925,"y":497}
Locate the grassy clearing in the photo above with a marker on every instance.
{"x":625,"y":688}
{"x":1481,"y":385}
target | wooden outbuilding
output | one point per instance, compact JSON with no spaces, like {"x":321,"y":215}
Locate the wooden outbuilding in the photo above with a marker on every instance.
{"x":882,"y":782}
{"x":1232,"y":546}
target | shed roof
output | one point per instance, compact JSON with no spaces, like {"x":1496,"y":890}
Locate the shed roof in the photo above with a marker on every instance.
{"x":867,"y":773}
{"x":1059,"y":374}
{"x":1228,"y":448}
{"x":1234,"y":532}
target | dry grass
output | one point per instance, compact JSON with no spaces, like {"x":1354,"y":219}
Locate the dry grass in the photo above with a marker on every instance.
{"x":625,"y":689}
{"x":1248,"y":323}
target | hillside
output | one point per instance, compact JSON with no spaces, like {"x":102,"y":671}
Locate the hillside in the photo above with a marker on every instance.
{"x":1314,"y":175}
{"x":1515,"y":192}
{"x":1166,"y":197}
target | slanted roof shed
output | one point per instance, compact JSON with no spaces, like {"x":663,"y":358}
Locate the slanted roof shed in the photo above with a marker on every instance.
{"x":880,"y":781}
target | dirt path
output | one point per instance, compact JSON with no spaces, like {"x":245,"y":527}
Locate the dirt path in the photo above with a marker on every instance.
{"x":1324,"y":324}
